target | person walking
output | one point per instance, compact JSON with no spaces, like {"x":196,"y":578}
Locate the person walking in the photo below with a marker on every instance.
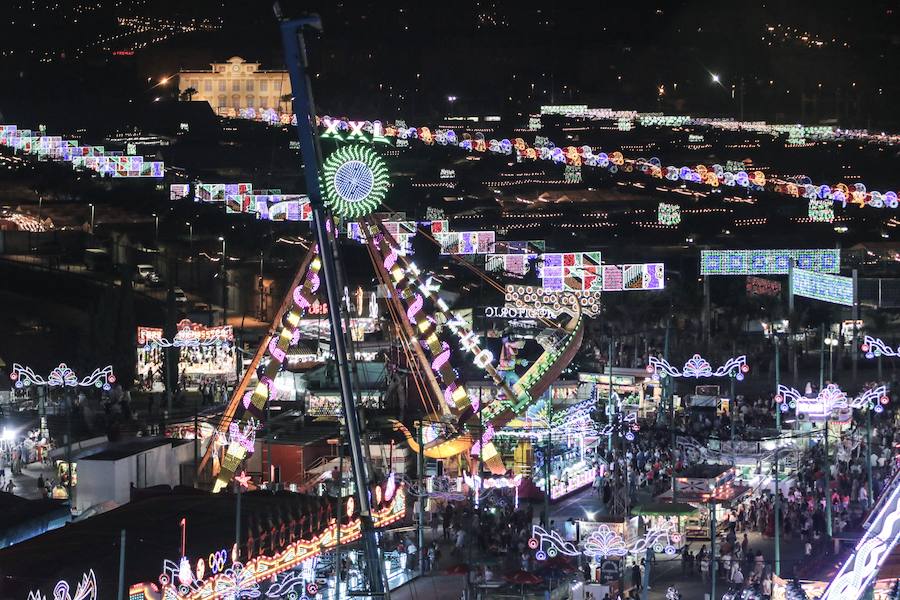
{"x":636,"y":577}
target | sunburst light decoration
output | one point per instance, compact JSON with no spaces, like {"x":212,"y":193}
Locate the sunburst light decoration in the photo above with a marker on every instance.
{"x":355,"y":181}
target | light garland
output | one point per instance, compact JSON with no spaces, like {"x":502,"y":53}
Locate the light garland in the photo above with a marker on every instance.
{"x":768,"y":262}
{"x":831,"y":402}
{"x":821,"y":211}
{"x":549,"y":544}
{"x":875,"y":347}
{"x":355,"y":181}
{"x":713,"y":176}
{"x":880,"y":537}
{"x":668,"y":214}
{"x":62,"y":376}
{"x":698,"y":367}
{"x":241,"y":580}
{"x":604,"y":542}
{"x":87,"y":589}
{"x":823,"y":286}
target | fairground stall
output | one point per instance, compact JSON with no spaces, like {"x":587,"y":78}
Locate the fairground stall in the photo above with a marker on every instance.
{"x":711,"y":488}
{"x":633,"y":387}
{"x":206,"y":354}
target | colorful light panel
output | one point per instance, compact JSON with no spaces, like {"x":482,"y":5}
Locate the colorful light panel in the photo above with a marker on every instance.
{"x":571,"y":272}
{"x":820,"y":286}
{"x":768,"y":262}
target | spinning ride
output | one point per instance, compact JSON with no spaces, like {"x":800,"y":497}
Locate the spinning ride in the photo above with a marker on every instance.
{"x":354,"y":184}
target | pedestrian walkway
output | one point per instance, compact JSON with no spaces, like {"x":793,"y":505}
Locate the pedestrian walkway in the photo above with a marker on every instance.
{"x":26,"y":484}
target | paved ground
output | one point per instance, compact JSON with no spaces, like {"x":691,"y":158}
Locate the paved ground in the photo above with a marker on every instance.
{"x":25,"y":485}
{"x":665,"y":571}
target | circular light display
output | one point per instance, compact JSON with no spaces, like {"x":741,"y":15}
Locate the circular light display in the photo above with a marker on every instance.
{"x":355,"y":181}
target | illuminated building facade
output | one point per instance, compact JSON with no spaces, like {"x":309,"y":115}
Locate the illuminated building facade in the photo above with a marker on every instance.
{"x":235,"y":85}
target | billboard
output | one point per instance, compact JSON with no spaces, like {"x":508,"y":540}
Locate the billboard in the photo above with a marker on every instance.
{"x":768,"y":262}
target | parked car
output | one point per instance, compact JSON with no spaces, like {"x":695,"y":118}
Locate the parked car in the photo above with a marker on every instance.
{"x":146,"y":274}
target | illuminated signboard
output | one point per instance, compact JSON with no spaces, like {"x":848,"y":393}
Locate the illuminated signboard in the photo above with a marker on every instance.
{"x":768,"y":262}
{"x":820,"y":286}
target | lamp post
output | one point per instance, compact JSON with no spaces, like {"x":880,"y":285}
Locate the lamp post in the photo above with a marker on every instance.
{"x":224,"y":284}
{"x":92,"y":218}
{"x":156,"y":228}
{"x":831,"y":342}
{"x":822,"y":359}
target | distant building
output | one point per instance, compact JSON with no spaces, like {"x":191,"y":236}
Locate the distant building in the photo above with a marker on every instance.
{"x":236,"y":84}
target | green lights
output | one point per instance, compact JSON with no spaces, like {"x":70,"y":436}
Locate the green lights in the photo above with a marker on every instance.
{"x":355,"y":181}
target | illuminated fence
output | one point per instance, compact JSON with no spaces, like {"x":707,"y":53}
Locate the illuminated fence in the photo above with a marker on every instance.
{"x":768,"y":262}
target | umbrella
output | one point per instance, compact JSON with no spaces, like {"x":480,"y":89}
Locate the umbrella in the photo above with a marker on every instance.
{"x":460,"y":569}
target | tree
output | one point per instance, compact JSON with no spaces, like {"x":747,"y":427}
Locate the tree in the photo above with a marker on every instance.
{"x":287,"y":99}
{"x":188,"y":94}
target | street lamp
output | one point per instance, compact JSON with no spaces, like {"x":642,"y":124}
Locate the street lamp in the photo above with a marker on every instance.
{"x":190,"y":239}
{"x":156,"y":227}
{"x":92,"y":218}
{"x":831,"y":342}
{"x":716,"y":78}
{"x":224,"y":285}
{"x":451,"y":100}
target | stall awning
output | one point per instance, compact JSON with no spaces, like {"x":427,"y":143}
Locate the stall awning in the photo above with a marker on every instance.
{"x":664,"y":509}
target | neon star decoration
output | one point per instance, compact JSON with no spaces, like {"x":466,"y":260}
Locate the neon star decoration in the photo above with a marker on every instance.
{"x":243,"y":480}
{"x":875,"y":347}
{"x":699,"y":368}
{"x":355,"y":181}
{"x":831,"y":402}
{"x":62,"y":376}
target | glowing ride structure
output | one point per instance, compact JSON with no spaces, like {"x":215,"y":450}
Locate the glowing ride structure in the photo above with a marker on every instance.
{"x":352,"y":186}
